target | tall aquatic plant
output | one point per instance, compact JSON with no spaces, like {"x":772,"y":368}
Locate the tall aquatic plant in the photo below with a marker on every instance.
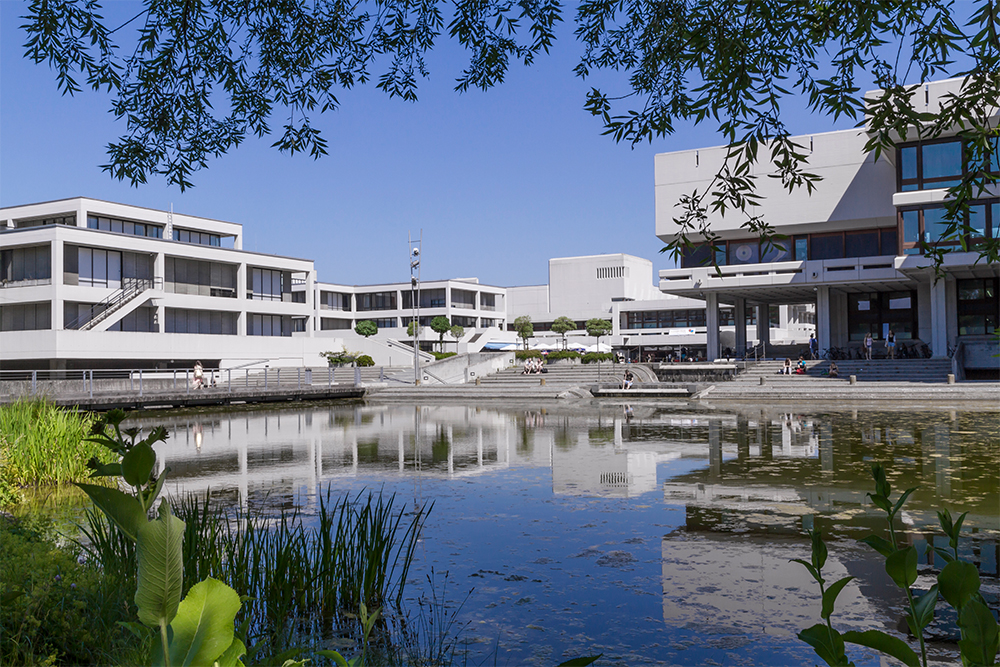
{"x":958,"y":584}
{"x":42,"y":444}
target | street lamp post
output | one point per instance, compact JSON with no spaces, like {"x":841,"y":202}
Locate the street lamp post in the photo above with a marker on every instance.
{"x":415,"y":301}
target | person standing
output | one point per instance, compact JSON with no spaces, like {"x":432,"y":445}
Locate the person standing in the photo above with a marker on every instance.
{"x":813,"y":347}
{"x":890,"y":344}
{"x":199,"y":372}
{"x":868,"y":346}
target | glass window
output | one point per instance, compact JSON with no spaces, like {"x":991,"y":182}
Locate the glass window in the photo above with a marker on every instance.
{"x":911,"y":232}
{"x":908,"y":163}
{"x":780,"y":250}
{"x":889,"y":242}
{"x":697,"y":256}
{"x":826,"y":247}
{"x":720,"y":254}
{"x":801,"y":248}
{"x":743,"y":252}
{"x":936,"y":227}
{"x":942,"y":161}
{"x":861,"y":244}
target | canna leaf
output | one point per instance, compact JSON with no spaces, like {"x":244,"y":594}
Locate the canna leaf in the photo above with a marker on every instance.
{"x":830,"y":596}
{"x":880,"y":641}
{"x":121,"y":509}
{"x":138,"y":463}
{"x":902,"y":499}
{"x":902,"y":567}
{"x":202,"y":629}
{"x":879,"y":544}
{"x":924,"y":607}
{"x":582,"y":661}
{"x":828,"y":644}
{"x":959,"y":583}
{"x":231,"y":657}
{"x":809,"y":566}
{"x":338,"y":659}
{"x":880,"y":501}
{"x":980,"y":637}
{"x":819,"y":552}
{"x":161,"y":569}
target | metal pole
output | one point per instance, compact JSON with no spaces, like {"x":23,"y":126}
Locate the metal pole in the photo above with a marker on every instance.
{"x":298,"y":376}
{"x":187,"y":382}
{"x":91,"y":383}
{"x":229,"y":380}
{"x":265,"y":378}
{"x":131,"y":381}
{"x":140,"y":382}
{"x":34,"y":382}
{"x":175,"y":379}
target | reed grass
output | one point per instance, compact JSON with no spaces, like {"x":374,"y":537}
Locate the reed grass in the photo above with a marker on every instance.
{"x":41,"y":444}
{"x":302,"y":578}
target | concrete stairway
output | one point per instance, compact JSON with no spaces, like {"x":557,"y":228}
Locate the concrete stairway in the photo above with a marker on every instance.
{"x":877,"y":370}
{"x":562,"y":377}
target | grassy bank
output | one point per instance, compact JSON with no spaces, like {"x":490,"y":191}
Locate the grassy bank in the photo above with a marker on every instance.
{"x":41,"y":445}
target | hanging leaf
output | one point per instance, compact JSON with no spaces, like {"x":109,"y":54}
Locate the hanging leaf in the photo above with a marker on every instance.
{"x":891,"y":646}
{"x":138,"y":463}
{"x":959,"y":582}
{"x":902,"y":567}
{"x":830,"y":595}
{"x":161,"y":568}
{"x":202,"y":631}
{"x":122,"y":509}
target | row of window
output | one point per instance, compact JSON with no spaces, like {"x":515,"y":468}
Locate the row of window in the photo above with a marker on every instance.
{"x":201,"y":238}
{"x":26,"y":316}
{"x":978,"y":306}
{"x":125,"y":227}
{"x":936,"y":164}
{"x":664,"y":319}
{"x":878,"y":313}
{"x":192,"y":276}
{"x":928,"y":226}
{"x":268,"y":284}
{"x":68,"y":220}
{"x":802,"y":247}
{"x":21,"y":264}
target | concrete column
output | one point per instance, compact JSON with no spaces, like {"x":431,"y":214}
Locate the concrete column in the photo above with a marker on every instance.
{"x":714,"y":448}
{"x":763,"y":325}
{"x":712,"y":325}
{"x":56,"y":272}
{"x":939,"y":318}
{"x":160,"y":273}
{"x":740,"y":320}
{"x":241,"y":297}
{"x":823,"y":317}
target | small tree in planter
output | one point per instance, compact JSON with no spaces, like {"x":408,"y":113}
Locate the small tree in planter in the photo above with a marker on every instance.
{"x":597,"y":327}
{"x":440,"y":325}
{"x":563,"y":325}
{"x":457,"y":332}
{"x":366,"y":328}
{"x":524,"y":329}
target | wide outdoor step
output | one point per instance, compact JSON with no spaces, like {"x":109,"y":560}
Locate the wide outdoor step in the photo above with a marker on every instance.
{"x":877,"y":370}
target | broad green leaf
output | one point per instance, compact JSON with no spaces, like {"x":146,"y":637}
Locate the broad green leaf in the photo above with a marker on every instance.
{"x":122,"y":509}
{"x":231,"y":656}
{"x":582,"y":661}
{"x":9,"y":596}
{"x":924,"y":607}
{"x":884,"y":643}
{"x":809,"y":566}
{"x":902,"y":499}
{"x":944,"y":518}
{"x":137,"y":464}
{"x":161,"y":568}
{"x":333,"y":655}
{"x":879,"y":544}
{"x":202,"y":630}
{"x":154,"y":492}
{"x":140,"y":631}
{"x":827,"y":643}
{"x":819,"y":552}
{"x":980,"y":636}
{"x":830,"y":595}
{"x":943,"y":553}
{"x":957,"y":531}
{"x":902,"y":567}
{"x":105,"y":469}
{"x":880,"y":501}
{"x":959,"y":582}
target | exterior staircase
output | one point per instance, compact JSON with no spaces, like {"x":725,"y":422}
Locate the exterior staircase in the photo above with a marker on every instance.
{"x":132,"y":292}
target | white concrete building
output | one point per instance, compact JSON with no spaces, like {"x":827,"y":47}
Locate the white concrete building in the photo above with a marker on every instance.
{"x":92,"y":284}
{"x":854,"y":248}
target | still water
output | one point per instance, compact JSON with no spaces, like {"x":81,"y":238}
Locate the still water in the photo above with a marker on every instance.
{"x":652,"y":534}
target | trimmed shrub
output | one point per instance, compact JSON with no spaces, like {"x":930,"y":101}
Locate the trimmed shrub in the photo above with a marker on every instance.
{"x":594,"y":357}
{"x":563,"y":354}
{"x":521,"y":355}
{"x":443,"y":355}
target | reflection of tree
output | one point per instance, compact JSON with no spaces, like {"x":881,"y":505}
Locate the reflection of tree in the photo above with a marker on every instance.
{"x":599,"y":437}
{"x":368,"y":451}
{"x":525,"y":445}
{"x":440,"y":446}
{"x":563,"y":441}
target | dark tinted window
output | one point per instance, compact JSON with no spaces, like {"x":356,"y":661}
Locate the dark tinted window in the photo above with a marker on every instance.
{"x":861,"y":244}
{"x":826,"y":247}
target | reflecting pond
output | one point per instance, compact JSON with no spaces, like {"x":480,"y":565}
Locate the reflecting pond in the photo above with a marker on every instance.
{"x":654,"y":534}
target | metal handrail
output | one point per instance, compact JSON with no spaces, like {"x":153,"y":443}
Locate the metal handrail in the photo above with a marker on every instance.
{"x":131,"y":287}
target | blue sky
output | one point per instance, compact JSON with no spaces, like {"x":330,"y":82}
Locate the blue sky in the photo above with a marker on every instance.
{"x":499,"y":181}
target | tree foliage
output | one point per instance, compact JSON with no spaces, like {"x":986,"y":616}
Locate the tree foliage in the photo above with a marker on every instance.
{"x":366,"y":328}
{"x":563,"y":325}
{"x":191,"y":80}
{"x":524,"y":328}
{"x":441,"y":325}
{"x":457,"y":332}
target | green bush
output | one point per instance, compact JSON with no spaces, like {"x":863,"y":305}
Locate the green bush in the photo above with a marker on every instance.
{"x":364,"y":361}
{"x":443,"y":355}
{"x":521,"y":355}
{"x":594,"y":357}
{"x":56,"y":610}
{"x":563,"y":354}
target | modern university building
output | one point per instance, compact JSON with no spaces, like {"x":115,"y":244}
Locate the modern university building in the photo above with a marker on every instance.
{"x":854,"y":247}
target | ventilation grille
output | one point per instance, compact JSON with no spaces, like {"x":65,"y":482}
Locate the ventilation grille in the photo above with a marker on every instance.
{"x":606,"y":272}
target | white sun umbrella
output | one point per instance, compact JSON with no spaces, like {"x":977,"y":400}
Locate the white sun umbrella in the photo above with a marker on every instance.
{"x":544,"y":346}
{"x":599,"y":347}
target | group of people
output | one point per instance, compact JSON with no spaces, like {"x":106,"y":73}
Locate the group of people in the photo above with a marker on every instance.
{"x":533,"y":365}
{"x":799,"y":368}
